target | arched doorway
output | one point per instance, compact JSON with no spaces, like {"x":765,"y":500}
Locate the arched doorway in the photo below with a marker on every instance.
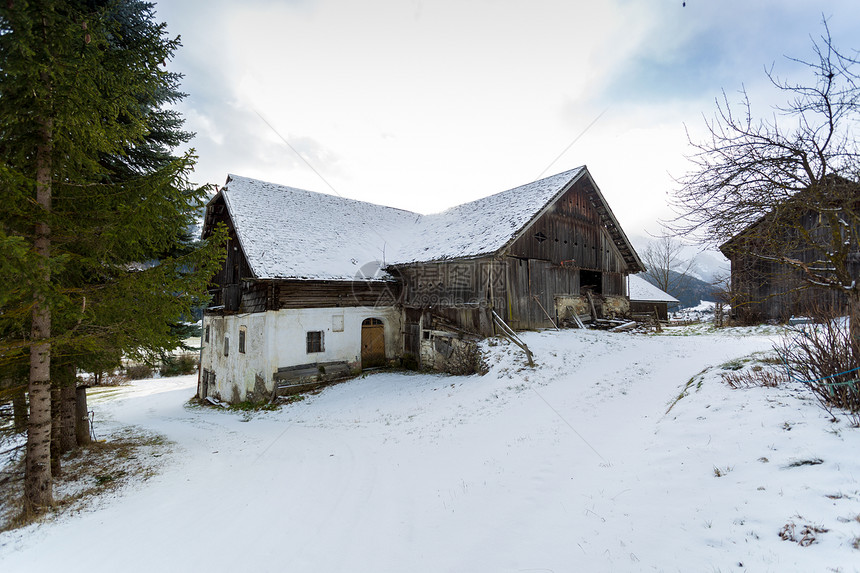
{"x":372,"y":343}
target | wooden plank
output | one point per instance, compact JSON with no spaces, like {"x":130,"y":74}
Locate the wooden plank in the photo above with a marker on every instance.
{"x":591,"y":304}
{"x":302,"y":373}
{"x":314,"y":365}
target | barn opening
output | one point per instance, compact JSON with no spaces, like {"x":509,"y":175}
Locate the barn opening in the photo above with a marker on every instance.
{"x":372,"y":343}
{"x":591,"y":280}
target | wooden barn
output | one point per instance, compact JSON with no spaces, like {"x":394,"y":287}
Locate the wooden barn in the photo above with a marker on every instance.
{"x":764,"y":288}
{"x":316,"y":285}
{"x":648,"y":300}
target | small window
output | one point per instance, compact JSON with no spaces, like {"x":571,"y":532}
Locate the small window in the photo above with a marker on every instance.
{"x":226,"y":346}
{"x":540,"y":237}
{"x":315,"y":341}
{"x":337,"y":323}
{"x":206,"y":335}
{"x":242,"y":331}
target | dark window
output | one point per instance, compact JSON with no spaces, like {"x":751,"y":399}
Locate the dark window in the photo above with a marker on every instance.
{"x":206,"y":336}
{"x":315,"y":341}
{"x":540,"y":237}
{"x":242,"y":340}
{"x":226,"y":346}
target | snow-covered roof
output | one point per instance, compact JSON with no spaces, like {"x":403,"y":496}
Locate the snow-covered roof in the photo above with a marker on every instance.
{"x":483,"y":226}
{"x":289,"y":233}
{"x":642,"y":290}
{"x":292,"y":233}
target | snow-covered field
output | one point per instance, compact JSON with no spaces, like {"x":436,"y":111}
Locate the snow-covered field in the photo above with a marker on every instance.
{"x":572,"y":466}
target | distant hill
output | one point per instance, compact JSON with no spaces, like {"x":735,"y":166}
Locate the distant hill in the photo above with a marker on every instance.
{"x":694,"y":290}
{"x":709,"y":266}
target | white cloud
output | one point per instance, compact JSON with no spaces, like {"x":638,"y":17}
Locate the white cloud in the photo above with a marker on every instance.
{"x":423,"y":105}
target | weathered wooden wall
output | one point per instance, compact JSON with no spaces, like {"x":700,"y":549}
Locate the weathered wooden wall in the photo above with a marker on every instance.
{"x":260,"y":296}
{"x":573,"y":232}
{"x":520,"y":284}
{"x":764,"y":289}
{"x":643,"y":308}
{"x":226,"y":285}
{"x":462,"y":291}
{"x":324,"y":294}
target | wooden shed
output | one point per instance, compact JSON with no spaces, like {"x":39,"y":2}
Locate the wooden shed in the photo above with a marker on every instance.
{"x":649,"y":300}
{"x":764,"y":287}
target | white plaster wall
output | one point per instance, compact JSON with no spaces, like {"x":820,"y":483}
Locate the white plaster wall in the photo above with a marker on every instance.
{"x":287,"y":334}
{"x":236,"y":371}
{"x":278,"y":339}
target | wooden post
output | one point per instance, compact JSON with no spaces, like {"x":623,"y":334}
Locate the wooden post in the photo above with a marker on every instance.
{"x":508,"y":333}
{"x":657,"y":326}
{"x":591,"y":303}
{"x":551,"y":321}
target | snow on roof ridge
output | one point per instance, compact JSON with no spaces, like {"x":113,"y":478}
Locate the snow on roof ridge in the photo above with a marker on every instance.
{"x":231,"y":177}
{"x":569,"y":172}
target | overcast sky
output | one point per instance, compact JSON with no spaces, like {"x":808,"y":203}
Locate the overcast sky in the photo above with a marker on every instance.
{"x":426,"y":104}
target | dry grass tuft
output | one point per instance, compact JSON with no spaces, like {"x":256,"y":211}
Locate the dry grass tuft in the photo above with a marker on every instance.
{"x":88,"y":473}
{"x":720,"y":472}
{"x":755,"y":378}
{"x":804,"y":535}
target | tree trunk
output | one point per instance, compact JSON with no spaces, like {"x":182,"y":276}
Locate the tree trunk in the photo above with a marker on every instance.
{"x":64,"y":427}
{"x":68,"y":437}
{"x":56,"y":402}
{"x":82,"y":421}
{"x":38,"y":483}
{"x":19,"y":410}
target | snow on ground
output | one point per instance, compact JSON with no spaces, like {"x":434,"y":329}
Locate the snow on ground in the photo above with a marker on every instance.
{"x":572,"y":466}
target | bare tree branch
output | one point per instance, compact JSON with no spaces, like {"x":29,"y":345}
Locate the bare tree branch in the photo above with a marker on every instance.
{"x":781,"y":193}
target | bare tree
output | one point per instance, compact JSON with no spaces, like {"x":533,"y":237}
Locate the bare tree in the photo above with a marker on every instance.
{"x":667,"y":268}
{"x":784,"y":191}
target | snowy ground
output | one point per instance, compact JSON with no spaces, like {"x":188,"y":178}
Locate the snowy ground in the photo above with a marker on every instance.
{"x":573,"y":466}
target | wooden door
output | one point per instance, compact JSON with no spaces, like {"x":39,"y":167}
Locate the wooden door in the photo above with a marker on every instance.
{"x":541,"y":294}
{"x":372,"y":343}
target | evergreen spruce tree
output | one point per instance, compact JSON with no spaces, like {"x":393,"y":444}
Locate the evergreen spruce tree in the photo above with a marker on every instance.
{"x":95,"y":201}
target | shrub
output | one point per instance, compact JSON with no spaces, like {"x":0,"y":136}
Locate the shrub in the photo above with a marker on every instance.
{"x":138,"y":372}
{"x":179,"y":365}
{"x":820,"y":355}
{"x":754,"y":378}
{"x":466,"y":358}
